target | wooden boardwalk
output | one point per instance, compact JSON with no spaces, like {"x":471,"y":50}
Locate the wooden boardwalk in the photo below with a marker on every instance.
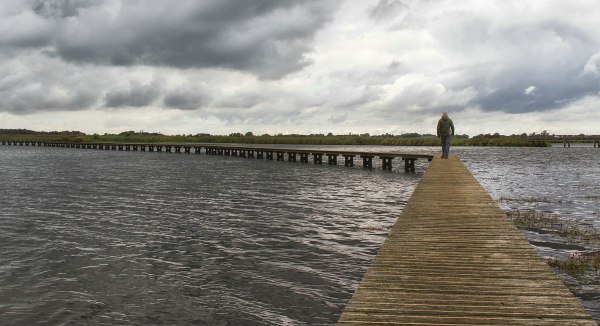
{"x":454,"y":258}
{"x":250,"y":151}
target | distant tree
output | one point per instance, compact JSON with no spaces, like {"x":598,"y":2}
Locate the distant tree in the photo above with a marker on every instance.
{"x":249,"y":134}
{"x":330,"y":134}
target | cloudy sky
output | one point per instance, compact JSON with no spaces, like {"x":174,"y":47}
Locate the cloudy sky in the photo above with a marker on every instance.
{"x":311,"y":66}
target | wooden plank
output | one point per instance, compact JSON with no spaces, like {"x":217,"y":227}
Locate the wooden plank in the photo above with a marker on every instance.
{"x":453,"y":257}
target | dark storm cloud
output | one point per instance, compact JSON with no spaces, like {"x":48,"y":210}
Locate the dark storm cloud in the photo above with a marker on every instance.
{"x":547,"y":57}
{"x":137,"y":95}
{"x":61,"y":8}
{"x":386,"y":9}
{"x":537,"y":93}
{"x":240,"y":101}
{"x":45,"y":97}
{"x":263,"y":37}
{"x":186,"y":99}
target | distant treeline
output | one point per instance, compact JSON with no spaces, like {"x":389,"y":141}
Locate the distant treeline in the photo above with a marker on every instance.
{"x":408,"y":139}
{"x":41,"y":133}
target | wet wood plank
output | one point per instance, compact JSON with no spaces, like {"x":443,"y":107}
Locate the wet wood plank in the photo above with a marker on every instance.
{"x":454,"y":258}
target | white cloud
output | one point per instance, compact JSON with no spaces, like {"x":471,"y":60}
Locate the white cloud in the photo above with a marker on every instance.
{"x":592,"y":66}
{"x":530,"y":90}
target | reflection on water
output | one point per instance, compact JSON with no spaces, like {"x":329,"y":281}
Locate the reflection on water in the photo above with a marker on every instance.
{"x":147,"y":238}
{"x":103,"y":237}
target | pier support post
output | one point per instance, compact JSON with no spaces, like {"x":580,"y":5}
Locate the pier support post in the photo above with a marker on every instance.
{"x":242,"y":153}
{"x":259,"y":155}
{"x":143,"y":148}
{"x":151,"y":148}
{"x":292,"y":156}
{"x":317,"y":158}
{"x":159,"y":148}
{"x":596,"y":143}
{"x":269,"y":155}
{"x":304,"y":158}
{"x":409,"y":164}
{"x":168,"y":148}
{"x":332,"y":159}
{"x":386,"y":162}
{"x":280,"y":156}
{"x":250,"y":154}
{"x":348,"y":160}
{"x":566,"y":143}
{"x":367,"y":161}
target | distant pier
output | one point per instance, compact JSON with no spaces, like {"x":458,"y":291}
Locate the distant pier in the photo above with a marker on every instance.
{"x":303,"y":155}
{"x":567,"y":143}
{"x":454,"y":258}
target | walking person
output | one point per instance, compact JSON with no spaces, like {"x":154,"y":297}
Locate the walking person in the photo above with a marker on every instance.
{"x":445,"y":130}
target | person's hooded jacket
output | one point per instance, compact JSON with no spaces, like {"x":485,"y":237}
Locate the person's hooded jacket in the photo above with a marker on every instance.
{"x":445,"y":127}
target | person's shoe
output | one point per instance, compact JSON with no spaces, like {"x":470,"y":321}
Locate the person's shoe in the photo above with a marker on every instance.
{"x":442,"y":156}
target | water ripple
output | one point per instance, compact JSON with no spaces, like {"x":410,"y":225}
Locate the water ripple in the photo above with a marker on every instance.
{"x":101,"y":237}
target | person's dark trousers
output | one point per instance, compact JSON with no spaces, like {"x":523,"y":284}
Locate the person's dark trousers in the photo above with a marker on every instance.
{"x":446,"y":146}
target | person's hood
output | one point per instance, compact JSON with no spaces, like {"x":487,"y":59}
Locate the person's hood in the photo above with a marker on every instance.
{"x":445,"y":117}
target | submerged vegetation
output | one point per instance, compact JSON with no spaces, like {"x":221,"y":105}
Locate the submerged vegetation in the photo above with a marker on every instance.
{"x":532,"y":219}
{"x":407,"y":139}
{"x":578,"y":264}
{"x":533,"y":199}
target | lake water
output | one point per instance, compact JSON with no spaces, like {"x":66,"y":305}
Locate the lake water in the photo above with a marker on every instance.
{"x":110,"y":237}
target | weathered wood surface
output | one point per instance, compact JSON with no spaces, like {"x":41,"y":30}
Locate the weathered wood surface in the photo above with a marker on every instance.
{"x":454,"y":258}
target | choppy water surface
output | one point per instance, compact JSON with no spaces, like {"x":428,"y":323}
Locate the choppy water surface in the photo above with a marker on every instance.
{"x":108,"y":237}
{"x":105,"y":237}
